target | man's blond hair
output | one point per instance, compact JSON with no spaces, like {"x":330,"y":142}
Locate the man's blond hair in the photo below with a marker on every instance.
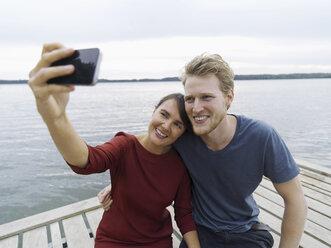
{"x":210,"y":64}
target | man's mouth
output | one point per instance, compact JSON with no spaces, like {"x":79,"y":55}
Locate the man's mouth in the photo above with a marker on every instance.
{"x":200,"y":119}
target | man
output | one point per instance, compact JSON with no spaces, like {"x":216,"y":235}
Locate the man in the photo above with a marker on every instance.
{"x":227,"y":156}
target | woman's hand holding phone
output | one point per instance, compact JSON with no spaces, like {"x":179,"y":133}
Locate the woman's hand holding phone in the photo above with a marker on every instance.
{"x":57,"y":70}
{"x":51,"y":99}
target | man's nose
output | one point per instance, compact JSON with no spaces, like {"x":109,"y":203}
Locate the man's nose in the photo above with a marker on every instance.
{"x":197,"y":106}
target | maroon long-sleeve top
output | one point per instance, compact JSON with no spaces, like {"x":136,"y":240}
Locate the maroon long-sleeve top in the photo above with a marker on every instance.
{"x":143,"y":185}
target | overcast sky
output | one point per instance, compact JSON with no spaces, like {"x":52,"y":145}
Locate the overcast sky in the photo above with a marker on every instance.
{"x":154,"y":39}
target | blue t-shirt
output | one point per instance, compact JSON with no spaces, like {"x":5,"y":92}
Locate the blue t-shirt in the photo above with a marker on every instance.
{"x":223,"y":181}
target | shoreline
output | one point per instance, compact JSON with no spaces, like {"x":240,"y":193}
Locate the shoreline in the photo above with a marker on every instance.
{"x":176,"y":79}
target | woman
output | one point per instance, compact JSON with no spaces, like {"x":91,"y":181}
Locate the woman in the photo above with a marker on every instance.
{"x":147,"y":174}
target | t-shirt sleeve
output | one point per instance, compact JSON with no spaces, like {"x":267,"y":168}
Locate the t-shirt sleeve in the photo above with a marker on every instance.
{"x":104,"y":157}
{"x":279,"y":164}
{"x":182,"y":206}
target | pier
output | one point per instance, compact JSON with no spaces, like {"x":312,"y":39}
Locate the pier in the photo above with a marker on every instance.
{"x":75,"y":225}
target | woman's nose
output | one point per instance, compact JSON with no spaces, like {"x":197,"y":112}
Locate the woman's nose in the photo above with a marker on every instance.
{"x":166,"y":125}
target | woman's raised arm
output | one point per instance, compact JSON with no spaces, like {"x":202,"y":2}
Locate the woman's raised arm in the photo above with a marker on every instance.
{"x":51,"y":101}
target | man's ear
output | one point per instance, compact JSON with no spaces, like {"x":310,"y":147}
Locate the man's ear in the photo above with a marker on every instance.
{"x":229,"y":98}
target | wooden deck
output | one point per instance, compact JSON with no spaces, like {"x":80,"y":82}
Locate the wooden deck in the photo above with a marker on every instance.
{"x":75,"y":225}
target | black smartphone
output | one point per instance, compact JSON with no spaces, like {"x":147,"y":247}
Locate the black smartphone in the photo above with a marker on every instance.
{"x":86,"y":63}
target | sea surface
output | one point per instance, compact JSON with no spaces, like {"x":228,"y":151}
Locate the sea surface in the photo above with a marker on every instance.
{"x":34,"y":177}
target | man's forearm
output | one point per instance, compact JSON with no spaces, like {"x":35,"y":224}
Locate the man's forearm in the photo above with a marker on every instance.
{"x":293,"y":224}
{"x":191,"y":239}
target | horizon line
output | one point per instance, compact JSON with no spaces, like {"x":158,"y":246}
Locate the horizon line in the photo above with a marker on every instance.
{"x":236,"y":77}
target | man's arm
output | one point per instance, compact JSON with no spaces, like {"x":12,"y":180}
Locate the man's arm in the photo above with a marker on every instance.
{"x":104,"y":197}
{"x":191,"y":239}
{"x":294,"y":214}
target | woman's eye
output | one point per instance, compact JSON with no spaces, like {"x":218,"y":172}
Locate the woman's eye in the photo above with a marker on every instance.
{"x":178,"y":125}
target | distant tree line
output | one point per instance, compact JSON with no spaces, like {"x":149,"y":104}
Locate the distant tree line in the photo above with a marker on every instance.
{"x":237,"y":77}
{"x":167,"y":79}
{"x":283,"y":76}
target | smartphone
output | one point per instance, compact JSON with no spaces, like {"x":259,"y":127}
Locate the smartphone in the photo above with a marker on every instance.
{"x":86,"y":63}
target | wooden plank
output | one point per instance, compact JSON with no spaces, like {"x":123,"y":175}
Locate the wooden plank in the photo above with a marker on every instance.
{"x":275,"y":224}
{"x":56,"y":235}
{"x":48,"y":217}
{"x":318,"y":231}
{"x":312,"y":184}
{"x":316,"y":189}
{"x":319,"y":219}
{"x":11,"y":242}
{"x":316,"y":183}
{"x":35,"y":238}
{"x":268,"y":185}
{"x":317,"y":195}
{"x":311,"y":228}
{"x":313,"y":191}
{"x":318,"y":176}
{"x":310,"y":241}
{"x":271,"y":200}
{"x":318,"y":206}
{"x":93,"y":218}
{"x":76,"y":233}
{"x":314,"y":168}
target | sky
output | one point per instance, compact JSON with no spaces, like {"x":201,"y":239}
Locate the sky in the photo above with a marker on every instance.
{"x":155,"y":39}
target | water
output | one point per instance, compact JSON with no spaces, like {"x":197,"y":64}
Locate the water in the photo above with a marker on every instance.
{"x":34,"y":177}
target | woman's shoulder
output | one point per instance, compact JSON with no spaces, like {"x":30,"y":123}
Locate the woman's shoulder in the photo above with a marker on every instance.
{"x":122,"y":139}
{"x":123,"y":136}
{"x":176,"y":160}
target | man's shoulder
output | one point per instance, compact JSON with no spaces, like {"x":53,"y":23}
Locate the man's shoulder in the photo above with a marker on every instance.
{"x":186,"y":138}
{"x":253,"y":125}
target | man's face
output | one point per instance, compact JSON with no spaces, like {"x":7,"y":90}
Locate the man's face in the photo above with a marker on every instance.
{"x":205,"y":103}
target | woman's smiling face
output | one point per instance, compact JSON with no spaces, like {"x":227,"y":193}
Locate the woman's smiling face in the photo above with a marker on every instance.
{"x":166,"y":126}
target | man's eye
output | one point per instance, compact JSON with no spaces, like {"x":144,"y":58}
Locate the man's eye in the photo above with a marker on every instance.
{"x":189,"y":99}
{"x":206,"y":97}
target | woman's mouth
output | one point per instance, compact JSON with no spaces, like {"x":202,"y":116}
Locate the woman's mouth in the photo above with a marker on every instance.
{"x":160,"y":133}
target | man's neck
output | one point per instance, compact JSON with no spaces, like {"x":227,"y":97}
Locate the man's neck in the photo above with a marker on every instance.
{"x":222,"y":135}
